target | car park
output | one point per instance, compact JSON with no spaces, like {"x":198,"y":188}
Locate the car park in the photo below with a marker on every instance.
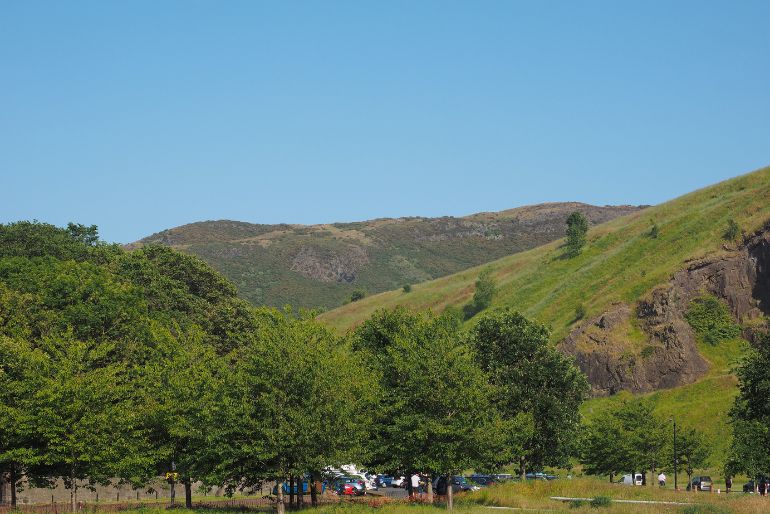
{"x":700,"y":483}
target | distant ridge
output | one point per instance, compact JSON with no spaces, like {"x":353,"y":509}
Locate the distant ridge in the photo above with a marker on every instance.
{"x":320,"y":266}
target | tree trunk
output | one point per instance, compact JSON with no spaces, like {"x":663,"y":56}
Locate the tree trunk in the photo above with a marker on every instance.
{"x":13,"y":478}
{"x":73,"y":507}
{"x":449,"y":493}
{"x":408,"y":484}
{"x":522,"y":469}
{"x":173,"y":489}
{"x":280,"y":507}
{"x":300,"y":491}
{"x":612,"y":476}
{"x":187,"y":493}
{"x":314,"y":491}
{"x":429,"y":489}
{"x":291,"y":490}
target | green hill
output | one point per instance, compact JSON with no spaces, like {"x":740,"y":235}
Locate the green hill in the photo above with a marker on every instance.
{"x":322,"y":265}
{"x":634,"y":291}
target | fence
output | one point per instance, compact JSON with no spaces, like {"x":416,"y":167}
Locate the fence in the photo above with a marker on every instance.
{"x":90,"y":507}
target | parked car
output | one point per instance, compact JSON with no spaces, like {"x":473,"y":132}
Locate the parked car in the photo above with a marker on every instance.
{"x":384,"y":480}
{"x":504,"y":477}
{"x":398,"y":482}
{"x":700,"y":483}
{"x":459,"y":484}
{"x":349,"y":486}
{"x":754,"y":483}
{"x":632,"y":479}
{"x":369,"y":482}
{"x":482,"y":480}
{"x":540,"y":476}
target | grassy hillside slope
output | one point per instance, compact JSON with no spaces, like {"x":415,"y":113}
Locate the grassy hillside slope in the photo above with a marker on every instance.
{"x":621,"y":262}
{"x":321,"y":265}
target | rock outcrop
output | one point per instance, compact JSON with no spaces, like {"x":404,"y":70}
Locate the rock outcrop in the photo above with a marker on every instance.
{"x":670,"y":357}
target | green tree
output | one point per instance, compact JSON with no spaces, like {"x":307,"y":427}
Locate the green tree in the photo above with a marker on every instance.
{"x":530,"y":376}
{"x":18,"y":447}
{"x":294,"y":402}
{"x":486,"y":288}
{"x":85,"y":416}
{"x":692,"y":452}
{"x":358,"y":294}
{"x":182,"y":383}
{"x":434,"y":414}
{"x":750,"y":414}
{"x":630,"y":438}
{"x":604,"y":448}
{"x":647,"y":437}
{"x":577,"y":228}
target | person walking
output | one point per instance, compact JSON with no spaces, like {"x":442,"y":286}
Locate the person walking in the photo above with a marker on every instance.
{"x":662,"y":479}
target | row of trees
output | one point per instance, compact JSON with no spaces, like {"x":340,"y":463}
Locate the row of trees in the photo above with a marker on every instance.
{"x":121,"y":365}
{"x":633,"y":438}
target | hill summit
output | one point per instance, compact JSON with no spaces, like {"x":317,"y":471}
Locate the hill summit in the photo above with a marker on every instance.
{"x":321,"y":266}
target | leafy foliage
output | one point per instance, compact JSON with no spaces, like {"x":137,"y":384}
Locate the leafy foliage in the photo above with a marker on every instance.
{"x":630,"y":438}
{"x":530,"y":377}
{"x":711,"y":320}
{"x":577,"y":228}
{"x":486,"y":288}
{"x":433,"y":412}
{"x":750,"y":414}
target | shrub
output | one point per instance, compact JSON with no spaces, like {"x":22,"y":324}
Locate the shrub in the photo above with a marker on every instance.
{"x":647,"y":351}
{"x":358,"y":294}
{"x":407,"y":288}
{"x":576,"y":504}
{"x":733,"y":230}
{"x":711,"y":320}
{"x":654,"y":231}
{"x":601,"y":501}
{"x":580,"y":312}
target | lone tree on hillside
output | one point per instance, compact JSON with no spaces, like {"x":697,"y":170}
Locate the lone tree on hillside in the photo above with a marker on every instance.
{"x":482,"y":298}
{"x":577,"y":227}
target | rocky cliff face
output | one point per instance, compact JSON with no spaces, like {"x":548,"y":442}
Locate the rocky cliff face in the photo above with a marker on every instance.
{"x":670,"y":358}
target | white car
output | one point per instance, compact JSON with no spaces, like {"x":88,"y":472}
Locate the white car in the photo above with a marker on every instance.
{"x":370,"y":484}
{"x":398,"y":482}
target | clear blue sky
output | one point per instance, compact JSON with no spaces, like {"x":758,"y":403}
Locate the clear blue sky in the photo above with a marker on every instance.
{"x":139,"y":116}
